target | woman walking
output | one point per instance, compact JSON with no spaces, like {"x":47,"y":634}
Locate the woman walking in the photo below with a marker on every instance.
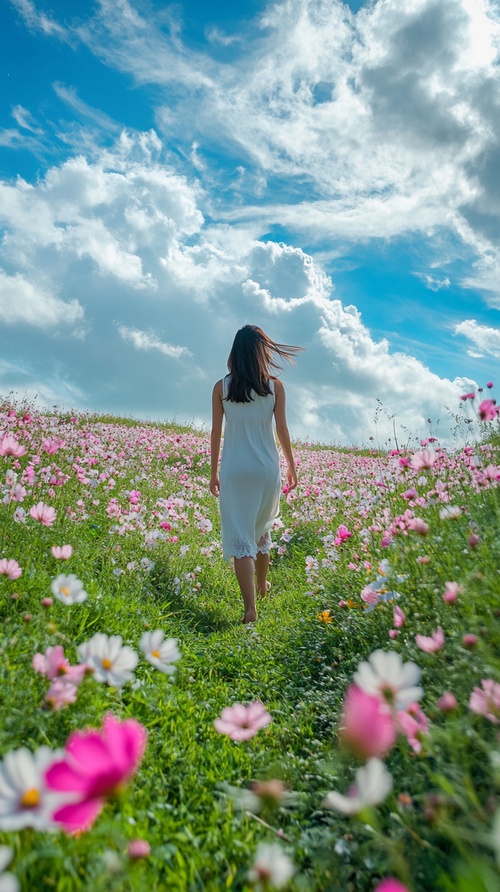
{"x":248,"y":398}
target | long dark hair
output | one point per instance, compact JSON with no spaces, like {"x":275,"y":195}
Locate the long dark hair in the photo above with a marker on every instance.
{"x":251,"y":360}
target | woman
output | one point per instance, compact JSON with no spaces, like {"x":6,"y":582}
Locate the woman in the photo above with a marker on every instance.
{"x":250,"y":482}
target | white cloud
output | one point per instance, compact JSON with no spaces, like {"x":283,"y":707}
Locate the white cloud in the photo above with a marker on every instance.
{"x":39,"y":21}
{"x":143,"y":340}
{"x":432,"y":282}
{"x":23,"y":303}
{"x":483,"y":337}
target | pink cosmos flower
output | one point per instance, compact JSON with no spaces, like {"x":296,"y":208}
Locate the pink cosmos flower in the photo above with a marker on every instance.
{"x":10,"y":446}
{"x":487,"y":701}
{"x":489,"y":385}
{"x":242,"y":722}
{"x":60,"y":694}
{"x":447,"y":702}
{"x":431,"y":644}
{"x":419,"y":526}
{"x":10,"y":568}
{"x":473,"y":540}
{"x":468,"y":396}
{"x":452,"y":591}
{"x":367,"y":727}
{"x":391,"y":885}
{"x":426,"y":458}
{"x":62,"y":552}
{"x":413,"y":723}
{"x":487,"y":410}
{"x":138,"y":848}
{"x":469,"y":640}
{"x":53,"y":664}
{"x":44,"y":513}
{"x":95,"y":765}
{"x":399,"y":617}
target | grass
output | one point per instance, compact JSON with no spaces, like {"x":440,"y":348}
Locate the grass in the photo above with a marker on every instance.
{"x":435,"y":829}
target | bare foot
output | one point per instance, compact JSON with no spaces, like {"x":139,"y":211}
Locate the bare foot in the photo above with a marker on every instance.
{"x":249,"y":617}
{"x":261,"y":594}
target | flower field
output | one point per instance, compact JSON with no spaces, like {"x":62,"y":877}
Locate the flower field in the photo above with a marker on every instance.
{"x":349,"y":740}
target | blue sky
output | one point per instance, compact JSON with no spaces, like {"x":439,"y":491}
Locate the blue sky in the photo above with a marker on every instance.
{"x":329,"y":171}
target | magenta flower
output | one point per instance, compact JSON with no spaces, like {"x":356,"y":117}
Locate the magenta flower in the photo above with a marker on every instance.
{"x":95,"y":765}
{"x":473,"y":540}
{"x":10,"y":568}
{"x":242,"y":722}
{"x":62,"y":552}
{"x":487,"y":410}
{"x":367,"y":727}
{"x":391,"y":885}
{"x":487,"y":701}
{"x":431,"y":644}
{"x":44,"y":513}
{"x":10,"y":446}
{"x":489,"y":385}
{"x":468,"y":396}
{"x":470,"y":640}
{"x":447,"y":702}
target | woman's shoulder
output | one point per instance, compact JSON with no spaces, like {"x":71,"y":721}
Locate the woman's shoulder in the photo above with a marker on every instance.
{"x":279,"y":387}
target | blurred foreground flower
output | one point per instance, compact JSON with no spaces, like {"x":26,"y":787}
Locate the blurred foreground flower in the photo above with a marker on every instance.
{"x":486,"y":701}
{"x":367,"y":727}
{"x":385,"y":675}
{"x":62,"y":552}
{"x":53,"y":664}
{"x":25,"y":800}
{"x":272,"y":869}
{"x":10,"y":568}
{"x":159,"y":652}
{"x":391,"y":885}
{"x":325,"y":616}
{"x":95,"y":766}
{"x":10,"y":446}
{"x":242,"y":722}
{"x":373,"y":785}
{"x":431,"y":643}
{"x":68,"y":589}
{"x":8,"y":882}
{"x":447,"y":702}
{"x":109,"y":659}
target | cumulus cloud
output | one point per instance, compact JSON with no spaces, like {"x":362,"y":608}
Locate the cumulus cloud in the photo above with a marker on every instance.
{"x":23,"y":303}
{"x":485,"y":340}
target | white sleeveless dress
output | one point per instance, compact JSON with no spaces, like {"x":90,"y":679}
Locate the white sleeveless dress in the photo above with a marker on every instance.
{"x":250,"y":479}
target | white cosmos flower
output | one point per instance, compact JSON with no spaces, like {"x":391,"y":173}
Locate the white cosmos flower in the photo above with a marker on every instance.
{"x":8,"y":882}
{"x":271,"y":868}
{"x":24,"y":798}
{"x":385,"y":675}
{"x":68,"y":589}
{"x":109,"y":659}
{"x":373,"y":785}
{"x":159,"y":652}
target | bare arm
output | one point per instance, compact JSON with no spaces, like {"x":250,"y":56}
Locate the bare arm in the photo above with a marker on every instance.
{"x":283,"y":433}
{"x":215,"y":437}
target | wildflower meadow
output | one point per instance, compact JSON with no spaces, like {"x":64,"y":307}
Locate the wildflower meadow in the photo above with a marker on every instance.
{"x":348,"y":740}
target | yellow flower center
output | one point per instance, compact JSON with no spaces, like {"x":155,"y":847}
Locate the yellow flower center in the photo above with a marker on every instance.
{"x":31,"y":798}
{"x":155,"y":653}
{"x":65,"y":591}
{"x":106,"y":663}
